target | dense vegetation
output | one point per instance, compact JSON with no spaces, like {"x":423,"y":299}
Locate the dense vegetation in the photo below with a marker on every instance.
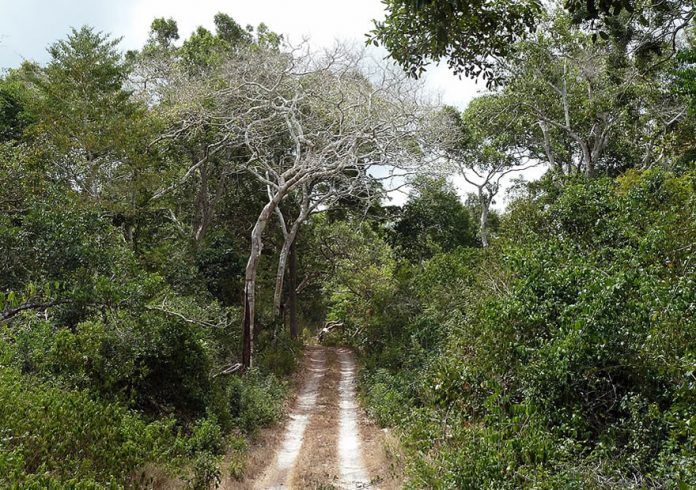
{"x":175,"y":222}
{"x":561,"y":357}
{"x":117,"y":322}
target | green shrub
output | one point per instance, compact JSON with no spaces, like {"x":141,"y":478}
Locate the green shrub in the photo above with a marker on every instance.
{"x":386,"y":398}
{"x":206,"y":471}
{"x":255,"y":400}
{"x":562,"y":357}
{"x":65,"y":435}
{"x":236,"y":467}
{"x":206,"y":435}
{"x":278,"y":355}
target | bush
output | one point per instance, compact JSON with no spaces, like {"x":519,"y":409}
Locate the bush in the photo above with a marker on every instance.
{"x":255,"y":400}
{"x":206,"y":471}
{"x":206,"y":435}
{"x":386,"y":397}
{"x":278,"y":355}
{"x":49,"y":434}
{"x":563,"y":356}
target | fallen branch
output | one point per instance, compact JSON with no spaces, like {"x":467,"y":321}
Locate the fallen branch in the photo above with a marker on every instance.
{"x":328,"y":327}
{"x":234,"y":368}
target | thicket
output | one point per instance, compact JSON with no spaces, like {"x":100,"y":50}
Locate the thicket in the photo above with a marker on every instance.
{"x":547,"y":346}
{"x":562,"y":356}
{"x":122,"y":369}
{"x":116,"y":322}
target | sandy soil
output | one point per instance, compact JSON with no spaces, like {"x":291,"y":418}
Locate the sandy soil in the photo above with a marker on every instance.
{"x":279,"y":474}
{"x":317,"y":466}
{"x":352,"y":468}
{"x":328,"y":442}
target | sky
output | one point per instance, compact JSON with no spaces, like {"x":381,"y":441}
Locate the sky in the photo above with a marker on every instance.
{"x":29,"y":26}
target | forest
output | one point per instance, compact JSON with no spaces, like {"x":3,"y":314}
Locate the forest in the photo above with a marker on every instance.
{"x":179,"y":223}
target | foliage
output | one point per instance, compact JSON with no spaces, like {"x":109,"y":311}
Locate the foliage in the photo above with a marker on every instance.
{"x":416,"y":32}
{"x":52,"y":436}
{"x":432,"y":220}
{"x":114,"y":324}
{"x":472,"y":35}
{"x":572,"y":346}
{"x":132,"y":188}
{"x":206,"y":471}
{"x":14,"y":113}
{"x":360,"y":282}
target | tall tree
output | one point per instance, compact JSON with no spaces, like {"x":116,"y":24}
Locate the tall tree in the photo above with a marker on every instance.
{"x":581,"y":99}
{"x":82,"y":108}
{"x":478,"y":146}
{"x":466,"y":34}
{"x":297,"y":119}
{"x":472,"y":35}
{"x":433,"y":220}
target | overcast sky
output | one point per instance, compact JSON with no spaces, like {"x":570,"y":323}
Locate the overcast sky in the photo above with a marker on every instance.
{"x":27,"y":27}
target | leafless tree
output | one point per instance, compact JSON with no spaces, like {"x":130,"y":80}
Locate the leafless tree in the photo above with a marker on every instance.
{"x":299,"y":122}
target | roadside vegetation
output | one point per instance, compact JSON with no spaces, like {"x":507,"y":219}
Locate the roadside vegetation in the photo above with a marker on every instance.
{"x":176,"y":223}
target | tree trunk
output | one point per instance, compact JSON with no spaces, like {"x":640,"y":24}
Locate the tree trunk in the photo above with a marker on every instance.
{"x":292,"y":292}
{"x":250,"y":281}
{"x":483,"y":222}
{"x":289,"y":239}
{"x":250,"y":301}
{"x":282,"y":266}
{"x":587,"y":161}
{"x":280,"y":276}
{"x":202,"y":213}
{"x":547,"y":145}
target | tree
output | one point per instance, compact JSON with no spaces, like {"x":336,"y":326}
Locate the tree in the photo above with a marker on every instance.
{"x":228,"y":30}
{"x":82,"y":109}
{"x":478,"y":146}
{"x":467,"y":34}
{"x":163,"y":32}
{"x":296,"y":119}
{"x":313,"y":197}
{"x":685,"y":86}
{"x":432,"y":221}
{"x":472,"y":35}
{"x":585,"y":106}
{"x":198,"y":165}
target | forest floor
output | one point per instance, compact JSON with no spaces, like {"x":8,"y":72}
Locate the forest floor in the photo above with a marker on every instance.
{"x":327,"y":441}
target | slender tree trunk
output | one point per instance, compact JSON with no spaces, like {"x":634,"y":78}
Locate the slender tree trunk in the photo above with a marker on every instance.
{"x":250,"y":281}
{"x":202,"y":213}
{"x":127,"y":228}
{"x":483,"y":221}
{"x":282,"y":266}
{"x":590,"y":169}
{"x":587,"y":161}
{"x":547,"y":145}
{"x":250,"y":302}
{"x":289,"y":239}
{"x":292,"y":292}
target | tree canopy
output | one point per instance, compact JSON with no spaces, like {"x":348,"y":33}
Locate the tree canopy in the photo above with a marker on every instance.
{"x":179,"y":222}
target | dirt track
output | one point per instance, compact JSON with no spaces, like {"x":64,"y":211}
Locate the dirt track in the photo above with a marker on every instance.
{"x":327,"y":443}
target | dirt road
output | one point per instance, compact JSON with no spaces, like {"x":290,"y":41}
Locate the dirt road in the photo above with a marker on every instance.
{"x":327,"y":442}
